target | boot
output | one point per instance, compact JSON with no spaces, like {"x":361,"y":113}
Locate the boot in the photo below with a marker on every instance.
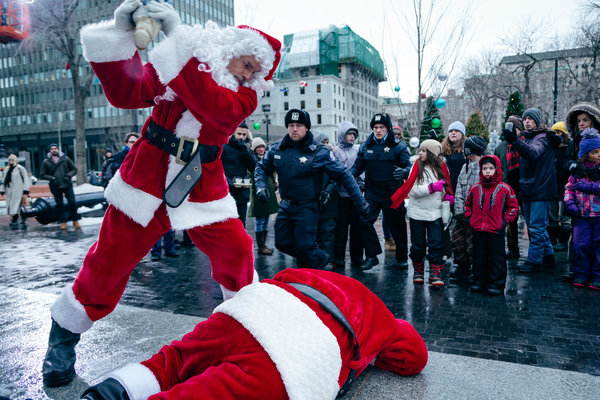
{"x":461,"y":271}
{"x":435,"y":278}
{"x":261,"y":238}
{"x":109,"y":389}
{"x":528,"y":267}
{"x":59,"y":364}
{"x":14,"y":220}
{"x":418,"y":275}
{"x":369,"y":263}
{"x":63,"y":226}
{"x":76,"y":225}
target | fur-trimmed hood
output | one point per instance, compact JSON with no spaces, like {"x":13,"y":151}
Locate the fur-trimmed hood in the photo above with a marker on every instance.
{"x":571,"y":119}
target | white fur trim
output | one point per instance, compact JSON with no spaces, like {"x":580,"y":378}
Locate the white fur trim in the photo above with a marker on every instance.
{"x":103,"y":42}
{"x":228,"y":294}
{"x":306,"y":353}
{"x":135,"y":203}
{"x":139,"y":382}
{"x":191,"y":214}
{"x":214,"y":47}
{"x":69,"y":313}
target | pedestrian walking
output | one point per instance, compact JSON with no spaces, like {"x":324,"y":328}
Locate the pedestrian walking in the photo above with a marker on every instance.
{"x":427,"y":185}
{"x":16,"y":187}
{"x":261,"y":210}
{"x":462,"y":234}
{"x":106,"y":166}
{"x":490,"y":205}
{"x":300,"y":162}
{"x":582,"y":202}
{"x":274,"y":341}
{"x":348,"y":222}
{"x":58,"y":169}
{"x":384,"y":163}
{"x":202,"y":82}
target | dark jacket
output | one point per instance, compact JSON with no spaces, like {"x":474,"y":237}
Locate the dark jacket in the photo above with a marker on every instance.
{"x":455,"y":161}
{"x":107,"y":173}
{"x":259,"y":208}
{"x":58,"y":175}
{"x":118,"y":160}
{"x":537,"y":165}
{"x":491,"y":204}
{"x":378,"y":161}
{"x":237,"y":161}
{"x":300,"y":166}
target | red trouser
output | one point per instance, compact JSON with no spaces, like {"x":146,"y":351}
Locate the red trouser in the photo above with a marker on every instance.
{"x":122,"y":243}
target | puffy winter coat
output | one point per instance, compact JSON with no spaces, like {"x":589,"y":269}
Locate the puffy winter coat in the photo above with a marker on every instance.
{"x":19,"y":185}
{"x":588,"y":204}
{"x":424,"y":205}
{"x":469,"y":175}
{"x":491,"y":204}
{"x":58,"y":175}
{"x":237,"y":161}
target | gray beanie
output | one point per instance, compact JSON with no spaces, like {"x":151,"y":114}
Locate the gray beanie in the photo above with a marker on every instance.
{"x":457,"y":125}
{"x":534,"y":113}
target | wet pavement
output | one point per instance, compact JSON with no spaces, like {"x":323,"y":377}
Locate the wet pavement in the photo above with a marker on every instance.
{"x":540,"y":322}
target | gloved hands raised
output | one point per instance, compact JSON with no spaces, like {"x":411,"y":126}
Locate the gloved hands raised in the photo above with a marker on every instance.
{"x":449,"y":198}
{"x":165,"y":14}
{"x":263,"y":194}
{"x":123,"y":14}
{"x":364,"y":210}
{"x":510,"y":136}
{"x":437,"y":186}
{"x":587,"y":187}
{"x":399,"y":173}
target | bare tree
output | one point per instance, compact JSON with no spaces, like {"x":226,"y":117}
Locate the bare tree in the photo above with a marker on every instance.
{"x":55,"y":25}
{"x":437,"y":44}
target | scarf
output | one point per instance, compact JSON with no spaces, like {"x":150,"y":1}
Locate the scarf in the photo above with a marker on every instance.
{"x":8,"y":176}
{"x":512,"y":158}
{"x":403,"y":191}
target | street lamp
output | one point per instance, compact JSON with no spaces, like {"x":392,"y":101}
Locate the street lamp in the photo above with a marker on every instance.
{"x":266,"y":109}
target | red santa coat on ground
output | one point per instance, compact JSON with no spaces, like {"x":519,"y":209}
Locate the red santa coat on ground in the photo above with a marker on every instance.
{"x":270,"y":341}
{"x":193,"y":95}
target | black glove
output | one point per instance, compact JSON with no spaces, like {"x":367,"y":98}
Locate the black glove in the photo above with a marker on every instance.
{"x":510,"y":136}
{"x":460,"y":218}
{"x":577,"y":170}
{"x":25,"y":191}
{"x":593,"y":173}
{"x":263,"y":194}
{"x":324,"y":198}
{"x":364,"y":210}
{"x":399,"y":173}
{"x":554,"y":139}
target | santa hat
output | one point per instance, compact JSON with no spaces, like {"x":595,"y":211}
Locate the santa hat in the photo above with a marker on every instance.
{"x":275,"y":46}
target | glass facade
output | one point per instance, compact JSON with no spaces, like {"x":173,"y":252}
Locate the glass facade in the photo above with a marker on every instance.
{"x":36,"y":90}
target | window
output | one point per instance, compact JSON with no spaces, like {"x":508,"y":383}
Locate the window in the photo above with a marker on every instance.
{"x":318,"y":103}
{"x":285,"y":92}
{"x":334,"y":103}
{"x":302,"y":104}
{"x":302,"y":90}
{"x":286,"y":106}
{"x":318,"y":118}
{"x":318,"y":88}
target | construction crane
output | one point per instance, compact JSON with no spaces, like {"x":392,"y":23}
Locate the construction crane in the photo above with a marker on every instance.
{"x":14,"y":20}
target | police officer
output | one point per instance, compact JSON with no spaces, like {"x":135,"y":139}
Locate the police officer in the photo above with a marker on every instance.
{"x":385,"y":163}
{"x":300,"y":162}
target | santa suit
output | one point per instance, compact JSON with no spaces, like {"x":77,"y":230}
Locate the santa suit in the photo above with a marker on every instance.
{"x":193,"y":95}
{"x":271,"y":341}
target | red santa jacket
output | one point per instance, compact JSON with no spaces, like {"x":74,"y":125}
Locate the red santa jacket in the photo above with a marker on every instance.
{"x":193,"y":95}
{"x":491,"y":203}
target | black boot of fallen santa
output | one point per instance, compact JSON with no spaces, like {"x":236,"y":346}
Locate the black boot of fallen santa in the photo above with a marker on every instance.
{"x":109,"y":389}
{"x":59,"y":364}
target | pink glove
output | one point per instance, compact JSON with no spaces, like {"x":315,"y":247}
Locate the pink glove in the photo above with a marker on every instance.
{"x":437,"y":186}
{"x":449,"y":198}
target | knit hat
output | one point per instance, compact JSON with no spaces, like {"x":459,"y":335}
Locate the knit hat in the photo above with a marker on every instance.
{"x":243,"y":125}
{"x":535,"y":114}
{"x":590,"y":140}
{"x":52,"y":145}
{"x":475,"y":145}
{"x":383,"y":119}
{"x":457,"y":125}
{"x":297,"y":116}
{"x":516,"y":121}
{"x":257,"y":142}
{"x":560,"y":126}
{"x":432,"y":145}
{"x":107,"y":150}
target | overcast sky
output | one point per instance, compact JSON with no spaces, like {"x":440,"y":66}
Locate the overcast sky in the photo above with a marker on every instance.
{"x":375,"y":21}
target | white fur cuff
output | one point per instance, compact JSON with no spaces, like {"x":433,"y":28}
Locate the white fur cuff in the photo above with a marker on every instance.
{"x":69,"y":313}
{"x":103,"y":42}
{"x":137,"y":379}
{"x":171,"y":55}
{"x":306,"y":353}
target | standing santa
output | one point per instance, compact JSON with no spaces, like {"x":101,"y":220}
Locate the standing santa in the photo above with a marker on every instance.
{"x":202,"y":82}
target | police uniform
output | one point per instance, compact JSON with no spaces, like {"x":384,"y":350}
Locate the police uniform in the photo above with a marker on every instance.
{"x":300,"y":166}
{"x":378,"y":159}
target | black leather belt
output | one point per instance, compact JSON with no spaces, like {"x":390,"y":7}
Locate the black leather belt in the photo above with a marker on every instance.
{"x":330,"y":306}
{"x":189,"y":153}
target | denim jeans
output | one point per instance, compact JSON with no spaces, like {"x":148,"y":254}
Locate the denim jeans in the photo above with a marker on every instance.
{"x":262,"y":224}
{"x":536,"y":218}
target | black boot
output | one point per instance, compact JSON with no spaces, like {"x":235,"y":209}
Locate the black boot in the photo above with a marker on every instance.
{"x":461,"y":271}
{"x":109,"y":389}
{"x":369,"y":263}
{"x":59,"y":364}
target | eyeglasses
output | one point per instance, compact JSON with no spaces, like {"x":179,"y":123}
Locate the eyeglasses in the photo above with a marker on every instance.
{"x":131,"y":141}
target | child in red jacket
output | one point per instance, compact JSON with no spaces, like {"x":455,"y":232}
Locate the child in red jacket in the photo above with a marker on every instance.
{"x":490,"y":206}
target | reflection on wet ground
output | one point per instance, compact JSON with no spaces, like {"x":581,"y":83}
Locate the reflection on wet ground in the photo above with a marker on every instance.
{"x":541,"y":320}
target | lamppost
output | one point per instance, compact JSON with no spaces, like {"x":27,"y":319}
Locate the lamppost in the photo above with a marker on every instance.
{"x":266,"y":109}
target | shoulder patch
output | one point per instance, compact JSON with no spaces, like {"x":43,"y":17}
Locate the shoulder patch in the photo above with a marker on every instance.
{"x":332,"y":156}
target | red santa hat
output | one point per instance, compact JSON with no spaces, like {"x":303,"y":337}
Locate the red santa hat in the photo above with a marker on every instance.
{"x":275,"y":45}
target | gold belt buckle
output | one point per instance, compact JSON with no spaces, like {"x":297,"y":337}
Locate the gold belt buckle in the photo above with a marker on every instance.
{"x":182,"y":141}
